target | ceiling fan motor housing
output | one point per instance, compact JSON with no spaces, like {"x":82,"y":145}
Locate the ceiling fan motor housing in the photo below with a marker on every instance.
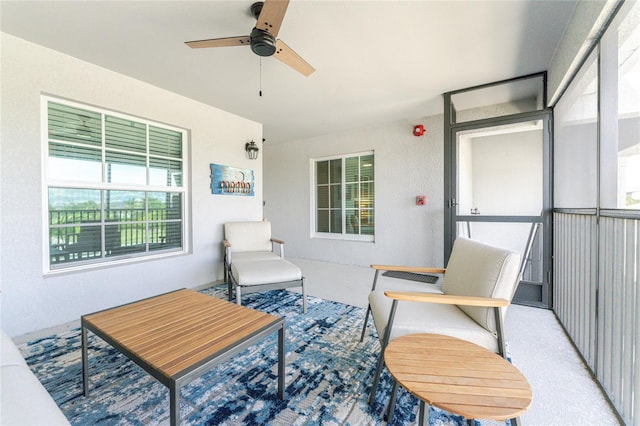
{"x":262,"y":43}
{"x":269,"y":15}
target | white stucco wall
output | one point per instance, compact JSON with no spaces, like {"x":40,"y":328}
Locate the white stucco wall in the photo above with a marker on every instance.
{"x":405,"y":166}
{"x":465,"y":198}
{"x":31,"y":301}
{"x":507,"y":174}
{"x":507,"y":179}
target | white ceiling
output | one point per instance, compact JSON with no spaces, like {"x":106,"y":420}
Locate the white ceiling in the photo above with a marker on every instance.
{"x":376,"y":61}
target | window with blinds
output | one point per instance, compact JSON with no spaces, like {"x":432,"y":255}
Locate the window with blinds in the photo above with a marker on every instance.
{"x":344,"y":199}
{"x":114,"y":186}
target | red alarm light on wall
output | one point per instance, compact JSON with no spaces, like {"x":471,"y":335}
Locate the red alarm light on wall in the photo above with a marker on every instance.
{"x":418,"y":130}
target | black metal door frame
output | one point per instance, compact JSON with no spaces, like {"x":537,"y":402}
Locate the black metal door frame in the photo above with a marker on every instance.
{"x":451,"y":130}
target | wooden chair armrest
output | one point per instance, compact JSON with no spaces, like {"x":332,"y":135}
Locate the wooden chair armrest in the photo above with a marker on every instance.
{"x":226,"y":243}
{"x":409,"y":269}
{"x":447,"y":299}
{"x":280,"y":246}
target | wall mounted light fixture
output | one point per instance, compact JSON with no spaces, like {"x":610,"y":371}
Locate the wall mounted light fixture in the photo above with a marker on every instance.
{"x":252,"y":150}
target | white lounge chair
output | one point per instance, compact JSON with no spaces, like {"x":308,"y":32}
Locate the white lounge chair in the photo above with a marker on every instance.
{"x":251,"y":265}
{"x":479,"y":282}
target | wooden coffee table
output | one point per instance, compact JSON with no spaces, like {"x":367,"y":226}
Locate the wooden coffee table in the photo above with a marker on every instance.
{"x":178,"y":336}
{"x":457,"y":376}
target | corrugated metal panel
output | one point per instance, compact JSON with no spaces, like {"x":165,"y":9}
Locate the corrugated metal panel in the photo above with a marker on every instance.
{"x":631,"y":336}
{"x":575,"y":279}
{"x":617,"y":368}
{"x":636,"y":361}
{"x":607,"y":309}
{"x":586,"y":273}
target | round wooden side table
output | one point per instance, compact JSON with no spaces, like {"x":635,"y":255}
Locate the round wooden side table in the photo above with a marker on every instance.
{"x":457,"y":376}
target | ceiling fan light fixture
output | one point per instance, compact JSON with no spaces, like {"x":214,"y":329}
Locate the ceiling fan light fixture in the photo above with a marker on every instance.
{"x":262,"y":43}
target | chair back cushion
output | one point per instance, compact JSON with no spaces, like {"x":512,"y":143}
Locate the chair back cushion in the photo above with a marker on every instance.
{"x":477,"y":269}
{"x":248,"y":236}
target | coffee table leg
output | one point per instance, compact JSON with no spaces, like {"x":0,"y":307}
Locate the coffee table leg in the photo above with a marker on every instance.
{"x":281,"y":362}
{"x":174,"y":404}
{"x":421,"y":414}
{"x":85,"y":362}
{"x":238,"y":295}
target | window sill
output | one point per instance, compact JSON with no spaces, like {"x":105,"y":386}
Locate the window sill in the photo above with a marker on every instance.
{"x":86,"y":267}
{"x":342,"y":237}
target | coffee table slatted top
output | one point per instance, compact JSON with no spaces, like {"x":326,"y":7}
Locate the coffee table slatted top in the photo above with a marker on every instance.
{"x":458,"y":376}
{"x":178,"y":330}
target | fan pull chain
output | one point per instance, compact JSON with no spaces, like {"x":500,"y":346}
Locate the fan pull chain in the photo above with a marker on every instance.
{"x":260,"y":76}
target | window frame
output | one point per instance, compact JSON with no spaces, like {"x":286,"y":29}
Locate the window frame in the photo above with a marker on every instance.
{"x":344,"y":236}
{"x":103,"y":186}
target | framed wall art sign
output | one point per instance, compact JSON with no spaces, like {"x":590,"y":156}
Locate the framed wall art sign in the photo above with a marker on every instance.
{"x":227,"y":180}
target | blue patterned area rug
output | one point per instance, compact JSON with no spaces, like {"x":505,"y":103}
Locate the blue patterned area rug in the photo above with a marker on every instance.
{"x":328,"y":376}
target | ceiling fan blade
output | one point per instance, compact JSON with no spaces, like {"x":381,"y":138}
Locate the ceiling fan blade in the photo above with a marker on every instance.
{"x":271,"y":16}
{"x":220,"y":42}
{"x":287,"y":56}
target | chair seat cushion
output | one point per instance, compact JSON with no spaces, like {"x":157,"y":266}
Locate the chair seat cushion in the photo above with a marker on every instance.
{"x":277,"y":270}
{"x":416,"y":317}
{"x":253,"y":256}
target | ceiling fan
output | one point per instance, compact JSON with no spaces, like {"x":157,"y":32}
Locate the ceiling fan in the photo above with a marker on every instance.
{"x":262,"y":39}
